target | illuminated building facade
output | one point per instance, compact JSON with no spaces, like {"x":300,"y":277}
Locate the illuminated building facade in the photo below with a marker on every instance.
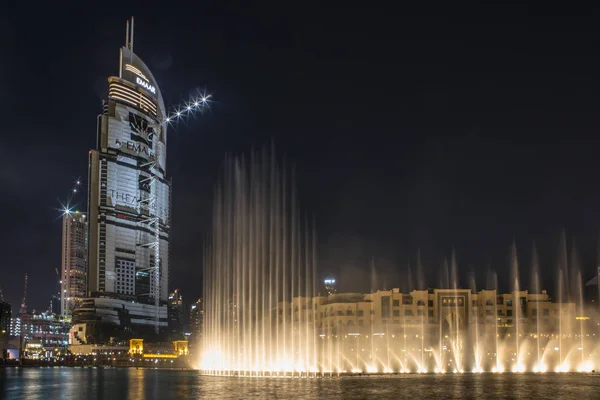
{"x":129,"y":191}
{"x":73,"y":281}
{"x":15,"y":326}
{"x":5,"y":311}
{"x":175,"y":307}
{"x":196,"y":321}
{"x":105,"y":317}
{"x":49,"y":329}
{"x":330,"y":285}
{"x":434,"y":309}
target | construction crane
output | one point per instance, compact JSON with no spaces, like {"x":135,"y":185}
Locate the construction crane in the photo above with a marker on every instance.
{"x":23,"y":309}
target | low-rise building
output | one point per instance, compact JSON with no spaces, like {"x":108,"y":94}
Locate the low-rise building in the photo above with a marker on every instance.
{"x":433,"y":309}
{"x":107,"y":318}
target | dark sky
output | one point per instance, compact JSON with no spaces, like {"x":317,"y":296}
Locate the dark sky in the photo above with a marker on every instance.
{"x":435,"y":128}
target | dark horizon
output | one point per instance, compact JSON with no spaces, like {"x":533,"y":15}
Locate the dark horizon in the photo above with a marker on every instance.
{"x":458,"y":128}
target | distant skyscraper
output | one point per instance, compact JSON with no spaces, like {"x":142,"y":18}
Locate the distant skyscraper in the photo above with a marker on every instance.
{"x":330,"y":285}
{"x":175,"y":311}
{"x":197,"y":320}
{"x":129,"y":192}
{"x":55,"y":305}
{"x":73,"y":282}
{"x":23,"y":309}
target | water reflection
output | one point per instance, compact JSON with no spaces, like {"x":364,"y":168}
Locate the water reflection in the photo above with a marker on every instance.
{"x":137,"y":384}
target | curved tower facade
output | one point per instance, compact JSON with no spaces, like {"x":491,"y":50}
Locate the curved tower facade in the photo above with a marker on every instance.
{"x":129,"y":191}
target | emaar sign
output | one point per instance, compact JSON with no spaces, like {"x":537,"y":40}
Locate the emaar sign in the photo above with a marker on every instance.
{"x":146,"y":85}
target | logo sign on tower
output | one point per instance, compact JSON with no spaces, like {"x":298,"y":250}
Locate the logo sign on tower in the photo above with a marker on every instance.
{"x":141,"y":79}
{"x":145,"y":85}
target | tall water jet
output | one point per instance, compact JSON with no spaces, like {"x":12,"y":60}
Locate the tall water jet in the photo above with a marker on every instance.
{"x":445,"y":278}
{"x":493,"y":281}
{"x":421,"y":286}
{"x":456,"y":322}
{"x":563,"y":263}
{"x":372,"y":364}
{"x":563,"y":293}
{"x":265,"y":317}
{"x":516,"y":305}
{"x":260,"y":256}
{"x":474,"y":336}
{"x":420,"y":277}
{"x":578,"y":292}
{"x":535,"y":285}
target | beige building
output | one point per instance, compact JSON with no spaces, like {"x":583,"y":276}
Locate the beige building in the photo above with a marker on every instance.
{"x":450,"y":310}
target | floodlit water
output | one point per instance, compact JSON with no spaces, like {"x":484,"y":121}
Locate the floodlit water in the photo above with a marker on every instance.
{"x":265,"y":316}
{"x":134,"y":384}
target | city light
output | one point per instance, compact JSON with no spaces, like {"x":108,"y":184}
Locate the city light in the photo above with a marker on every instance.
{"x":196,"y":104}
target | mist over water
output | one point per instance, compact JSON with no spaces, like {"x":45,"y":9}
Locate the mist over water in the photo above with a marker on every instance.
{"x":266,"y":314}
{"x":262,"y":253}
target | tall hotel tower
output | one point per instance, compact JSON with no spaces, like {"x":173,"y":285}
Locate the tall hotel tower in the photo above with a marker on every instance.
{"x":129,"y":193}
{"x":73,"y":282}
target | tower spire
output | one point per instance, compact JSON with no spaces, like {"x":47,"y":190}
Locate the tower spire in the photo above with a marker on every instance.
{"x":131,"y":36}
{"x":23,"y":309}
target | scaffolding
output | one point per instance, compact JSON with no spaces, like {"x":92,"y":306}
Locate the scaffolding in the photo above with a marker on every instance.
{"x":149,"y":206}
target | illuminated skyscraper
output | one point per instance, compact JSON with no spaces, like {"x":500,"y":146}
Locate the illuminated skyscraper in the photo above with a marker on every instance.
{"x":129,"y":192}
{"x":197,"y":321}
{"x":330,"y":285}
{"x":73,"y":276}
{"x":175,"y":311}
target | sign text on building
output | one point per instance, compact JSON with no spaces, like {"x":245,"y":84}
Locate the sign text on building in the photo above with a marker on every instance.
{"x":145,"y":85}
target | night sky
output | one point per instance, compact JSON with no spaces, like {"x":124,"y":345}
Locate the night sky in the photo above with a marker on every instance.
{"x":410,"y":129}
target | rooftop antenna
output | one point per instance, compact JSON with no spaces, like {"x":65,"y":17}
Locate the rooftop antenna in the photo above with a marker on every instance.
{"x":121,"y":52}
{"x":128,"y":45}
{"x":23,"y":309}
{"x":131,"y":43}
{"x":127,"y":34}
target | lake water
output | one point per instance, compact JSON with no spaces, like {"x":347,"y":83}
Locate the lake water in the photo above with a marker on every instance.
{"x":134,"y":384}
